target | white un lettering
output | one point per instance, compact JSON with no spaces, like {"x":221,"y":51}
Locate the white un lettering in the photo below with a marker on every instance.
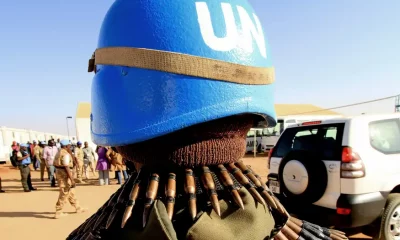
{"x":234,"y":38}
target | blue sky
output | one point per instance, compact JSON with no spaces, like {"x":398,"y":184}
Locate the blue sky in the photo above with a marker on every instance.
{"x":326,"y":53}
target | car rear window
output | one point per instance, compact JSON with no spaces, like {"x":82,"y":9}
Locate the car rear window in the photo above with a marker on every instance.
{"x":384,"y":136}
{"x":323,"y":139}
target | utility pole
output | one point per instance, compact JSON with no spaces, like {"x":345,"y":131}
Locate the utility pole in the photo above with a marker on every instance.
{"x":397,"y":104}
{"x":69,"y":117}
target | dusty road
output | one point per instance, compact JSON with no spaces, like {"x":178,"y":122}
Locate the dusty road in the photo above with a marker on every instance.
{"x":30,"y":215}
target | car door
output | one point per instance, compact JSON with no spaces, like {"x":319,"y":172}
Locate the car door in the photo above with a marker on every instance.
{"x":384,"y":137}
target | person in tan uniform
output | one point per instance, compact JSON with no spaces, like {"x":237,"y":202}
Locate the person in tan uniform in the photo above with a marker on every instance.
{"x":89,"y":160}
{"x":117,"y":164}
{"x":79,"y":161}
{"x":38,"y":151}
{"x":63,"y":162}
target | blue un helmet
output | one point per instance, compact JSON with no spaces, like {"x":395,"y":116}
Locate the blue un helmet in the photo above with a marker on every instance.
{"x":161,"y":66}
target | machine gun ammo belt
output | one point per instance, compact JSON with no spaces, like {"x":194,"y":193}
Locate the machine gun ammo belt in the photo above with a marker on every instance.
{"x":190,"y":192}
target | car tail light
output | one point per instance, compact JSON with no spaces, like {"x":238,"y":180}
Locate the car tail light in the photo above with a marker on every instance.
{"x":352,"y":166}
{"x":269,"y":157}
{"x":343,"y":211}
{"x":310,"y":123}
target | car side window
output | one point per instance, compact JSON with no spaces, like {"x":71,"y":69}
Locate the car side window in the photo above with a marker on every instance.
{"x":384,"y":136}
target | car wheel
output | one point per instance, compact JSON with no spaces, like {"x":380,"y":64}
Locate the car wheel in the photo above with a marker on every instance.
{"x":303,"y":176}
{"x":390,"y":224}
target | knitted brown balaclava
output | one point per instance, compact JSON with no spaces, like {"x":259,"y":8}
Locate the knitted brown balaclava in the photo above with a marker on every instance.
{"x":217,"y":142}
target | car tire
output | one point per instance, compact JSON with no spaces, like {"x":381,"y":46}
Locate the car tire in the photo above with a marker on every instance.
{"x":392,"y":208}
{"x":317,"y":176}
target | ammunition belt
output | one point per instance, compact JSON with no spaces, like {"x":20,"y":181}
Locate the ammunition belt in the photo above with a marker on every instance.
{"x":202,"y":183}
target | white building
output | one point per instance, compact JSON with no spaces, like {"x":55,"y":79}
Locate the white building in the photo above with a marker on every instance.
{"x":8,"y":135}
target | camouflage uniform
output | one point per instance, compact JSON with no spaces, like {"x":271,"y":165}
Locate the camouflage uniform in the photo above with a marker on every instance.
{"x":67,"y":193}
{"x":79,"y":166}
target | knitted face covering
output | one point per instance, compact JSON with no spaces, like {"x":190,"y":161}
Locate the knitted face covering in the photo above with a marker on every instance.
{"x":215,"y":142}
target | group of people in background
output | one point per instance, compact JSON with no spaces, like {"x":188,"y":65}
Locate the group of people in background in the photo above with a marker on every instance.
{"x":41,"y":155}
{"x":64,"y":160}
{"x":110,"y":161}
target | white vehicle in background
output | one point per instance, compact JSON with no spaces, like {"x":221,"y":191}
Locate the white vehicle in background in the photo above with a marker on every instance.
{"x":342,"y":172}
{"x":266,"y":138}
{"x":255,"y":141}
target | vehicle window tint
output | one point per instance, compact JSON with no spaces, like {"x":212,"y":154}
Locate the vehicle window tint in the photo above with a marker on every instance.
{"x":385,"y":136}
{"x":325,"y":140}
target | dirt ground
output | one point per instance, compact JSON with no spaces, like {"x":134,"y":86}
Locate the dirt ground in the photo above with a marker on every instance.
{"x":30,"y":215}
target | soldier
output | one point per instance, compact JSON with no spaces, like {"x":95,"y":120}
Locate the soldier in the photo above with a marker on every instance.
{"x":177,"y":87}
{"x":64,"y":164}
{"x":43,"y":162}
{"x":79,"y":158}
{"x":88,"y":160}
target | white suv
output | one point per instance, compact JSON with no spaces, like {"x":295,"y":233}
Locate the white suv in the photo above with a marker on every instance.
{"x":342,"y":172}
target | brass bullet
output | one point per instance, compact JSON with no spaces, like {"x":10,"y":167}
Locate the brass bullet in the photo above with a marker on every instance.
{"x":289,"y":233}
{"x":293,"y":226}
{"x":228,"y":183}
{"x":236,"y":197}
{"x":131,"y":203}
{"x":245,"y":182}
{"x":297,"y":221}
{"x":336,"y":237}
{"x":280,"y":236}
{"x":170,"y":192}
{"x":151,"y":194}
{"x":271,"y":202}
{"x":262,"y":183}
{"x":127,"y":215}
{"x":249,"y":173}
{"x":257,"y":196}
{"x":209,"y":184}
{"x":281,"y":208}
{"x":215,"y":202}
{"x":190,"y":189}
